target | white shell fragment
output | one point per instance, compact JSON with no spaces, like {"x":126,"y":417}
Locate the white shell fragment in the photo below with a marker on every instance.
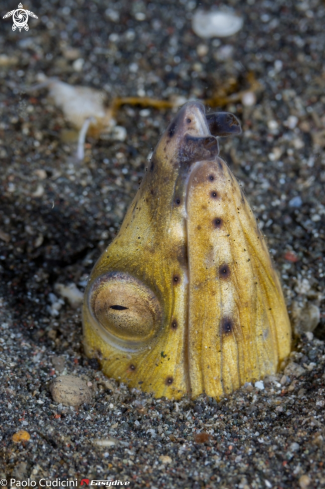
{"x":259,"y":385}
{"x":71,"y":293}
{"x":78,"y":103}
{"x":216,"y":23}
{"x":108,"y":442}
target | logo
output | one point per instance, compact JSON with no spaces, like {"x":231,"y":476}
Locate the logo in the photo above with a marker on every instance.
{"x":109,"y":483}
{"x":106,"y":483}
{"x":20,"y":18}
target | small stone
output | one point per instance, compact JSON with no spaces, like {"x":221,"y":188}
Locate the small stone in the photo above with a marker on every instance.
{"x":202,"y":437}
{"x":248,"y":387}
{"x":295,"y":202}
{"x":271,"y":379}
{"x":294,"y":370}
{"x":39,"y":191}
{"x":276,"y":154}
{"x":305,"y":318}
{"x":304,"y":481}
{"x":202,"y":50}
{"x":165,"y":459}
{"x":4,"y":236}
{"x":70,"y":390}
{"x":272,"y":125}
{"x":41,"y":174}
{"x":294,"y":447}
{"x":78,"y":64}
{"x":119,"y":133}
{"x":104,"y":443}
{"x":318,"y":440}
{"x":216,"y":23}
{"x":291,"y":122}
{"x":20,"y":436}
{"x":290,"y":256}
{"x":284,"y":380}
{"x":20,"y":471}
{"x":71,"y":53}
{"x":298,"y":143}
{"x":303,"y":286}
{"x":58,"y":363}
{"x":312,"y":354}
{"x":140,"y":16}
{"x":259,"y":385}
{"x":320,"y":403}
{"x":8,"y":61}
{"x":248,"y":99}
{"x":144,"y":112}
{"x":112,"y":14}
{"x":39,"y":241}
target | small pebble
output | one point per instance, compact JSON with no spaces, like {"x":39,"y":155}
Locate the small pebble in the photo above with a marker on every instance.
{"x":295,"y":202}
{"x":39,"y":191}
{"x":248,"y":99}
{"x":304,"y":481}
{"x":58,"y":363}
{"x":112,"y":14}
{"x":305,"y":318}
{"x":4,"y":236}
{"x":20,"y":471}
{"x":259,"y":385}
{"x":318,"y":440}
{"x":78,"y":64}
{"x":202,"y":50}
{"x":284,"y":380}
{"x":71,"y":53}
{"x":70,"y":390}
{"x":202,"y":437}
{"x":294,"y":447}
{"x":216,"y":23}
{"x":40,"y":173}
{"x":108,"y":442}
{"x":294,"y":370}
{"x":165,"y":459}
{"x":248,"y":386}
{"x":290,"y":256}
{"x":272,"y":125}
{"x":291,"y":122}
{"x":71,"y":293}
{"x":119,"y":133}
{"x":8,"y":60}
{"x":20,"y":436}
{"x":39,"y":241}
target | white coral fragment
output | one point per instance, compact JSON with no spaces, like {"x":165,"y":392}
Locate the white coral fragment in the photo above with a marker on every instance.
{"x":71,"y":293}
{"x":81,"y":103}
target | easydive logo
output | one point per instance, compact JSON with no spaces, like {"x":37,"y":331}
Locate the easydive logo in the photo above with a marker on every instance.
{"x":101,"y":482}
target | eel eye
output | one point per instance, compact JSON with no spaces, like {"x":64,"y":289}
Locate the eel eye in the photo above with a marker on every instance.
{"x":128,"y":312}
